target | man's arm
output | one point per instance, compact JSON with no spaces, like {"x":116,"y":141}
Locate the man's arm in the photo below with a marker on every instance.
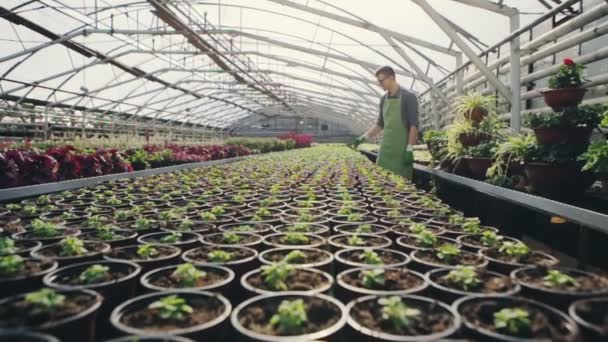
{"x":411,"y":117}
{"x":412,"y":136}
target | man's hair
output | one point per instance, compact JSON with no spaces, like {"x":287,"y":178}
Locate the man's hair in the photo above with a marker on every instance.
{"x":385,"y":70}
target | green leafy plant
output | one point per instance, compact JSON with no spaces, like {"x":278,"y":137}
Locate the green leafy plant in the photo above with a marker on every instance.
{"x":174,"y":237}
{"x":291,"y":316}
{"x":587,"y":115}
{"x":364,"y":229}
{"x":72,"y":246}
{"x":275,"y":275}
{"x":243,"y":228}
{"x":218,"y":210}
{"x":207,"y":216}
{"x":106,"y":233}
{"x":95,"y":221}
{"x":569,"y":75}
{"x":465,"y":277}
{"x":294,"y":256}
{"x":516,"y":249}
{"x":373,"y":278}
{"x":370,"y":257}
{"x":44,"y":229}
{"x":171,"y":308}
{"x":448,"y":252}
{"x":397,"y":312}
{"x":11,"y":265}
{"x":187,"y":274}
{"x":68,"y":215}
{"x":512,"y":320}
{"x":29,"y":210}
{"x":465,"y":104}
{"x":417,"y":228}
{"x":94,"y":274}
{"x":123,"y":215}
{"x":7,"y":246}
{"x":219,"y":256}
{"x":355,"y":217}
{"x":231,"y":238}
{"x":263,"y":212}
{"x":45,"y":300}
{"x":472,"y":225}
{"x":144,"y":223}
{"x":147,"y":251}
{"x":596,"y":157}
{"x":555,"y":278}
{"x":186,"y":225}
{"x":355,"y":240}
{"x":489,"y":238}
{"x":295,"y":239}
{"x":345,"y":210}
{"x":426,"y":238}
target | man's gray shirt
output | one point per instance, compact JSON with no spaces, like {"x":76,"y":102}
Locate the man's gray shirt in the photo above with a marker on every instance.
{"x":409,"y":108}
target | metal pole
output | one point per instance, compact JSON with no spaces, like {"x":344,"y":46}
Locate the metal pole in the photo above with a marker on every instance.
{"x":459,"y":76}
{"x":515,"y":76}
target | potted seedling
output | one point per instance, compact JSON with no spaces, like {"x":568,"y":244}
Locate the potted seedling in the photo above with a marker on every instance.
{"x":446,"y":255}
{"x":303,"y":228}
{"x":239,"y":259}
{"x":590,"y":315}
{"x":424,"y":239}
{"x":505,"y":318}
{"x":299,"y":257}
{"x":566,"y":86}
{"x":400,"y":318}
{"x":72,"y":250}
{"x":475,"y":107}
{"x":9,"y":246}
{"x":45,"y":232}
{"x":147,"y":256}
{"x":184,"y":241}
{"x":510,"y":256}
{"x":188,"y":225}
{"x":450,"y":284}
{"x":289,"y":316}
{"x":281,"y":276}
{"x":188,"y":276}
{"x":18,"y":274}
{"x":365,"y":228}
{"x":358,"y":257}
{"x":486,"y":239}
{"x":233,"y":239}
{"x":111,"y":235}
{"x":68,"y":315}
{"x":558,"y":286}
{"x":343,"y":241}
{"x":293,"y":240}
{"x":195,"y":314}
{"x":247,"y":227}
{"x":384,"y":281}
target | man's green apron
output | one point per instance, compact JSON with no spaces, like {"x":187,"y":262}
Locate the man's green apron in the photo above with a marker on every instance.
{"x":394,"y":142}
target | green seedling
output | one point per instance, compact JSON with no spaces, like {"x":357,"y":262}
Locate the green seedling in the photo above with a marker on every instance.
{"x":263,"y":212}
{"x":456,"y":219}
{"x":187,"y":275}
{"x":123,"y":215}
{"x":106,"y":233}
{"x":172,"y":308}
{"x":171,"y":238}
{"x":448,"y":252}
{"x":72,"y":246}
{"x":397,"y":312}
{"x":218,"y":210}
{"x":355,"y":240}
{"x":94,"y":274}
{"x":44,"y":300}
{"x":275,"y":275}
{"x":11,"y":265}
{"x":489,"y":238}
{"x":7,"y":246}
{"x":345,"y":211}
{"x":294,"y":256}
{"x":472,"y":226}
{"x":291,"y":317}
{"x":513,"y":320}
{"x":219,"y":256}
{"x":465,"y":277}
{"x":29,"y":210}
{"x":417,"y":228}
{"x":516,"y":249}
{"x":186,"y":225}
{"x":373,"y":278}
{"x":364,"y":229}
{"x":244,"y":228}
{"x":295,"y":239}
{"x":144,"y":223}
{"x":68,"y":216}
{"x":368,"y":256}
{"x":44,"y":229}
{"x":426,"y":238}
{"x":113,"y":201}
{"x":555,"y":278}
{"x":355,"y":217}
{"x":147,"y":251}
{"x":207,"y":216}
{"x":231,"y":238}
{"x":95,"y":221}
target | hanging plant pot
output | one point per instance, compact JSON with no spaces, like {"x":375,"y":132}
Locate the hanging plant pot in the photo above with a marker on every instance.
{"x":563,"y":135}
{"x":558,"y":99}
{"x":476,"y":114}
{"x":472,"y":139}
{"x":478,"y":166}
{"x":565,"y":180}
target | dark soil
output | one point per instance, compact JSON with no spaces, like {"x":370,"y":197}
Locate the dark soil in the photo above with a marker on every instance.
{"x":32,"y":266}
{"x":61,"y":233}
{"x":411,"y":240}
{"x":394,"y":280}
{"x":584,"y":282}
{"x":245,"y":239}
{"x":167,"y":280}
{"x":475,"y":240}
{"x":205,"y":309}
{"x":130,"y":253}
{"x":280,"y":240}
{"x":92,"y":236}
{"x":53,"y":251}
{"x":388,"y":257}
{"x":432,"y":318}
{"x":533,"y":258}
{"x":321,"y":315}
{"x":311,"y":256}
{"x":20,"y":313}
{"x":74,"y":279}
{"x":405,"y":229}
{"x":299,"y":279}
{"x":489,"y":283}
{"x":200,"y":254}
{"x":543,"y":325}
{"x":369,"y":241}
{"x":465,"y":258}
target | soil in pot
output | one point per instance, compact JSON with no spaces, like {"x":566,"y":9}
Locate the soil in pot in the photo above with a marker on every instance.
{"x":323,"y":317}
{"x":188,"y":276}
{"x":188,"y":225}
{"x":66,"y":253}
{"x":18,"y":274}
{"x":300,"y":257}
{"x":233,"y":239}
{"x":183,"y":240}
{"x":592,"y":316}
{"x":344,"y":241}
{"x":424,"y":260}
{"x":196,"y":314}
{"x":362,"y":281}
{"x":427,"y":319}
{"x":239,"y":259}
{"x":284,"y":277}
{"x":410,"y":242}
{"x":375,"y":229}
{"x":304,"y":228}
{"x":560,"y":286}
{"x":146,"y":256}
{"x":47,"y":238}
{"x":247,"y":227}
{"x":475,"y":242}
{"x":111,"y":236}
{"x":449,"y":285}
{"x":513,"y":319}
{"x":515,"y":256}
{"x":294,"y":240}
{"x":348,"y":258}
{"x":70,"y":318}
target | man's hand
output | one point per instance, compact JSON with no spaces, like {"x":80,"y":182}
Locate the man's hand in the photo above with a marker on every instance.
{"x":409,"y":158}
{"x":360,"y":140}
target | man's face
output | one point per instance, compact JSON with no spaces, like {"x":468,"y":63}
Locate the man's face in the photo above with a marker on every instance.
{"x":384,"y":81}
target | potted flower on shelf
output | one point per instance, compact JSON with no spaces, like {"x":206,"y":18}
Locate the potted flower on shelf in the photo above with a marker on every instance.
{"x":475,"y":107}
{"x":573,"y":125}
{"x":565,"y":87}
{"x":596,"y":160}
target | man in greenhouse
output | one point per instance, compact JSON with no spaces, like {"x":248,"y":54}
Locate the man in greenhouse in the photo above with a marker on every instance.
{"x":398,"y":118}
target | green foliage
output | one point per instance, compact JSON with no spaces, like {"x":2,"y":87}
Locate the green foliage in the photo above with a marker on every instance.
{"x":219,"y":256}
{"x":448,"y":252}
{"x":231,"y":238}
{"x":72,"y":246}
{"x":187,"y":274}
{"x":355,"y":217}
{"x":568,"y":76}
{"x":243,"y":228}
{"x":7,"y":246}
{"x":11,"y":265}
{"x":207,"y":216}
{"x":44,"y":229}
{"x":94,"y":274}
{"x":264,"y":212}
{"x":106,"y":233}
{"x":186,"y":225}
{"x":515,"y":249}
{"x":512,"y":320}
{"x":294,"y":256}
{"x":558,"y":154}
{"x":171,"y":238}
{"x":596,"y":157}
{"x":95,"y":221}
{"x":218,"y":210}
{"x":147,"y":251}
{"x":489,"y":238}
{"x":588,"y":115}
{"x":472,"y":225}
{"x":555,"y":278}
{"x":345,"y":210}
{"x":426,"y":238}
{"x":370,"y":257}
{"x":290,"y":317}
{"x":417,"y":228}
{"x":364,"y":229}
{"x":483,"y":150}
{"x":465,"y":277}
{"x":275,"y":275}
{"x":262,"y":145}
{"x":123,"y":215}
{"x":29,"y":210}
{"x":467,"y":103}
{"x":355,"y":240}
{"x":144,"y":223}
{"x":295,"y":239}
{"x":45,"y":300}
{"x":397,"y":312}
{"x":171,"y":308}
{"x":373,"y":278}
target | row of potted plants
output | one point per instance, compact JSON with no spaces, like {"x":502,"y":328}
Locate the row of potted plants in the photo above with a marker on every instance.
{"x":254,"y":249}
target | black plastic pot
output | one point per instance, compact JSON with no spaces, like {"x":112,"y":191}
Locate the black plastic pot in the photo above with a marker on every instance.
{"x":26,"y":283}
{"x":272,"y":301}
{"x":24,"y":248}
{"x":406,"y":247}
{"x":342,"y":263}
{"x":158,"y":338}
{"x":239,"y":266}
{"x":348,"y":228}
{"x":126,"y":238}
{"x":214,"y":330}
{"x":335,"y":242}
{"x":474,"y":247}
{"x":187,"y":241}
{"x":257,"y":228}
{"x":114,"y":292}
{"x":504,"y":267}
{"x":256,"y":242}
{"x":146,"y":264}
{"x":17,"y":335}
{"x":254,"y":291}
{"x":315,"y":241}
{"x":29,"y":236}
{"x":324,"y":265}
{"x":568,"y":330}
{"x":358,"y":332}
{"x":305,"y":228}
{"x":449,"y":294}
{"x":100,"y":250}
{"x":590,"y":315}
{"x":346,"y":292}
{"x":561,"y":299}
{"x":421,"y":265}
{"x":199,"y":227}
{"x":224,"y":287}
{"x":79,"y":327}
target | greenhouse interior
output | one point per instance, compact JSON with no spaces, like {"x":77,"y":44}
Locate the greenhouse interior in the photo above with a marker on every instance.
{"x":303,"y":170}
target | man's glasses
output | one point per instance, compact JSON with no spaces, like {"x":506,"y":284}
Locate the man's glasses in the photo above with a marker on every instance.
{"x":380,"y":81}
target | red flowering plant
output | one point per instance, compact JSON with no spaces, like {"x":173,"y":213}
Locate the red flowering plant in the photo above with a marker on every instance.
{"x":301,"y":140}
{"x":569,"y":75}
